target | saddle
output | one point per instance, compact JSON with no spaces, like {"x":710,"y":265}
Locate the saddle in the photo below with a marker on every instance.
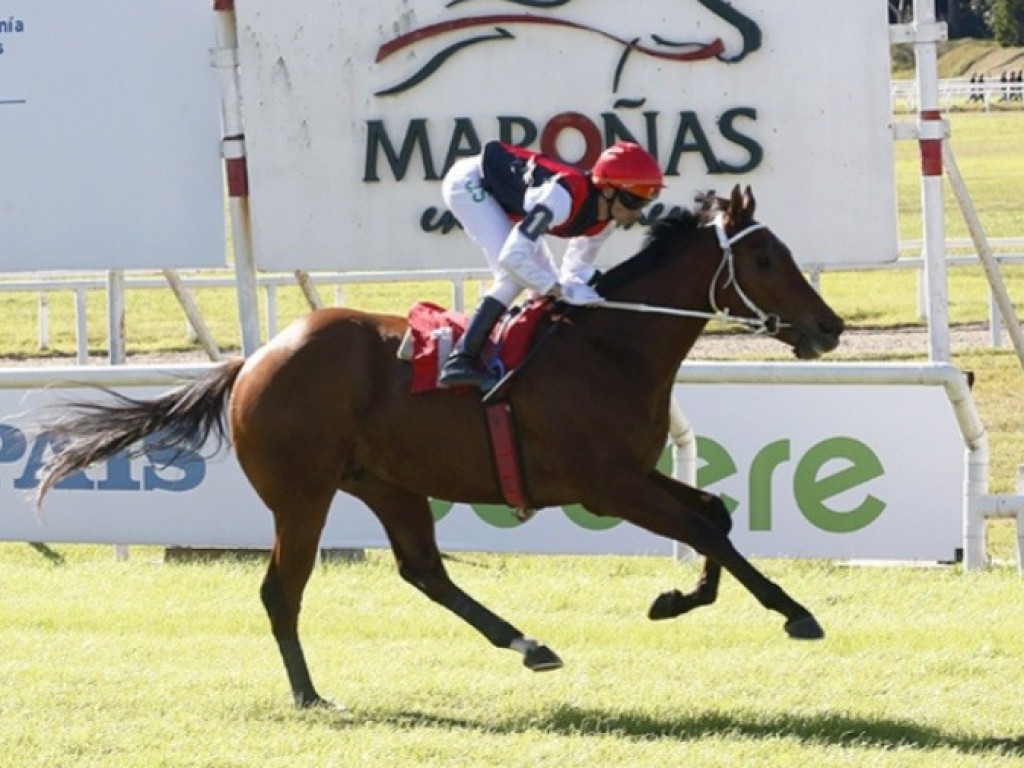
{"x":433,"y":331}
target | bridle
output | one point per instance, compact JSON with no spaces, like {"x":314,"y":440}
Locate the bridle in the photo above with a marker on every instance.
{"x":762,"y":322}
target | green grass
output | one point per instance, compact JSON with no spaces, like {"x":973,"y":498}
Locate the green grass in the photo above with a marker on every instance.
{"x":992,"y":165}
{"x":145,"y":664}
{"x":997,"y":393}
{"x":960,"y":58}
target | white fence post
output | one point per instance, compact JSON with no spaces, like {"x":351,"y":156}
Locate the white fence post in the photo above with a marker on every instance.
{"x":116,"y":354}
{"x":44,"y":321}
{"x":81,"y":326}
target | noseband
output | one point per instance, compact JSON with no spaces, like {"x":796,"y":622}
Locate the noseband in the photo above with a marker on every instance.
{"x":761,"y":323}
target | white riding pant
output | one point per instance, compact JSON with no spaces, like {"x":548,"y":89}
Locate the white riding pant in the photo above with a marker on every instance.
{"x":489,"y":226}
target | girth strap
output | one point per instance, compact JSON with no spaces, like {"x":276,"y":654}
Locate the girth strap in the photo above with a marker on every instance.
{"x":505,"y":451}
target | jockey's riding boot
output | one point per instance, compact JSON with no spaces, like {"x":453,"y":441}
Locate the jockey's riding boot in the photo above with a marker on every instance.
{"x":461,"y":369}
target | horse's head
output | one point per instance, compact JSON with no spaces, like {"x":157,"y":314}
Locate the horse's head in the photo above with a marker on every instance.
{"x":760,"y":280}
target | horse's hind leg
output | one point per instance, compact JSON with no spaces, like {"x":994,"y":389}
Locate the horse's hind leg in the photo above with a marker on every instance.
{"x":297,"y":538}
{"x":409,"y":525}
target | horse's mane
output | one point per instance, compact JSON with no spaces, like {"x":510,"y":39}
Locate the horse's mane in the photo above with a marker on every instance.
{"x":661,"y":235}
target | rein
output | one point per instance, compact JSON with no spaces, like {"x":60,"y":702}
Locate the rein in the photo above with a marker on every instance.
{"x":761,"y":322}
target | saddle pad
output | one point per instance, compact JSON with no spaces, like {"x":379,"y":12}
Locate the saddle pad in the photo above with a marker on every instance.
{"x":429,"y":326}
{"x":433,"y":331}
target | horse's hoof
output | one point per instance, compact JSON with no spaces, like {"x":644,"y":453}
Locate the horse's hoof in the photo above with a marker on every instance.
{"x":804,"y":628}
{"x":667,"y":605}
{"x":319,"y":703}
{"x":541,"y":659}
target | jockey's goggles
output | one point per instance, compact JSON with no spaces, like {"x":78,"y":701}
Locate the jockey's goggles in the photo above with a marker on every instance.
{"x":631,"y":201}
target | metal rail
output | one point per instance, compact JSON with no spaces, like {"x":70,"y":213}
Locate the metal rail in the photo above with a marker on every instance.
{"x":1008,"y":251}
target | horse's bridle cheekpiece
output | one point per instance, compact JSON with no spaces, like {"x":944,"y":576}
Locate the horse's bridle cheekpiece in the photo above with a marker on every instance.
{"x":761,"y":323}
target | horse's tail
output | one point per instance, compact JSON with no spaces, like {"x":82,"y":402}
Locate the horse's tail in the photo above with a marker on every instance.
{"x":182,"y":419}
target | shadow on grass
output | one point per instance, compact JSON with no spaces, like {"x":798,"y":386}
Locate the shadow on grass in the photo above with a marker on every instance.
{"x":56,"y":558}
{"x":828,"y":729}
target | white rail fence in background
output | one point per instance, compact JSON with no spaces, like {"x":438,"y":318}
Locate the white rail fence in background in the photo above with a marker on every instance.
{"x":961,"y":93}
{"x":1010,"y":251}
{"x":82,"y":283}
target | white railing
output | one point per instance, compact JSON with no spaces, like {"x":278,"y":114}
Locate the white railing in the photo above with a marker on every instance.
{"x":1005,"y":251}
{"x":1008,"y":251}
{"x":960,"y":93}
{"x":81,"y":283}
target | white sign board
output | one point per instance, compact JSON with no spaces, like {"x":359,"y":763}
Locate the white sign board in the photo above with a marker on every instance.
{"x":809,"y":471}
{"x":832,"y":471}
{"x":355,"y":110}
{"x":110,"y":130}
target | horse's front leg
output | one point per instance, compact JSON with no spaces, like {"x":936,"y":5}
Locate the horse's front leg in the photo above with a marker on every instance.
{"x":646,"y":500}
{"x":674,"y":603}
{"x":409,"y":525}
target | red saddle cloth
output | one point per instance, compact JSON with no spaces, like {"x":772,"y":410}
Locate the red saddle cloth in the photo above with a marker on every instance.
{"x":511,"y":340}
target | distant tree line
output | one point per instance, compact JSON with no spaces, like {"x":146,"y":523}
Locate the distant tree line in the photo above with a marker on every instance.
{"x":1001,"y":20}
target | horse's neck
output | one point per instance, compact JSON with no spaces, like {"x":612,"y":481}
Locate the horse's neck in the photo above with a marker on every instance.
{"x":660,"y":342}
{"x":682,"y":279}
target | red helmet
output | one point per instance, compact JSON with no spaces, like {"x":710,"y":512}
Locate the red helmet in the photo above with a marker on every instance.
{"x":630,"y":167}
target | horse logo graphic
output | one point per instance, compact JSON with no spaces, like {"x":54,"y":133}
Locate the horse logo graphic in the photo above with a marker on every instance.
{"x":655,"y":45}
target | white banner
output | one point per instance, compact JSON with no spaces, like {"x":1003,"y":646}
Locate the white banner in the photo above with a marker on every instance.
{"x":355,"y":110}
{"x":110,"y":128}
{"x":809,"y":471}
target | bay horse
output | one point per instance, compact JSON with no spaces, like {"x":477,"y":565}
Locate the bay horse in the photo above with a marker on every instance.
{"x":326,"y":406}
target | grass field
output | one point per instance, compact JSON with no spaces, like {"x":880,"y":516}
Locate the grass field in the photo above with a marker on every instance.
{"x":145,"y":664}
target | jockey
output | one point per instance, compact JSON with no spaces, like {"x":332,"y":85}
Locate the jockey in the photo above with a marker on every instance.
{"x":507,"y":198}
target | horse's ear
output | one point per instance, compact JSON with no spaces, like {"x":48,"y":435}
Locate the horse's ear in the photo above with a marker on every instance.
{"x":749,"y":203}
{"x":735,"y":210}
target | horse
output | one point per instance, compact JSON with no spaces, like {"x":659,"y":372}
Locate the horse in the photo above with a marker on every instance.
{"x":326,"y":406}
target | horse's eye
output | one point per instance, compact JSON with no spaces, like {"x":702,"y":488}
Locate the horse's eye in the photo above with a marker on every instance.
{"x":762,"y":261}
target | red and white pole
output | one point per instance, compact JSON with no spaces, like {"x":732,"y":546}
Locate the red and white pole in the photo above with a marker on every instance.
{"x":931,"y":131}
{"x":225,"y":58}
